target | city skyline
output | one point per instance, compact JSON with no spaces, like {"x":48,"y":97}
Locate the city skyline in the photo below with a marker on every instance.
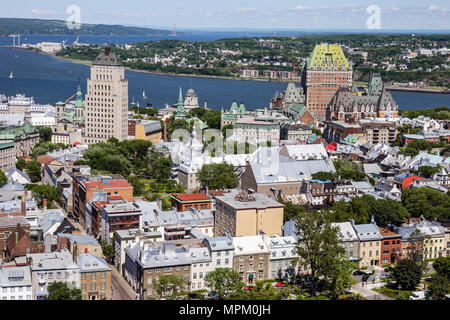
{"x":238,"y":14}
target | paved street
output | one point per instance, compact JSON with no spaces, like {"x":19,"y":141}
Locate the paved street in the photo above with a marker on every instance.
{"x":367,"y":293}
{"x":121,"y":290}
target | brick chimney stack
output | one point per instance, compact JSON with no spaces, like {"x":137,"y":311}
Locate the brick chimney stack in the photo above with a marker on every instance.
{"x":23,"y":204}
{"x":45,"y":204}
{"x":165,"y":131}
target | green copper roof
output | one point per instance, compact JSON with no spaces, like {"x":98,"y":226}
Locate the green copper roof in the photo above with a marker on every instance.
{"x":234,"y":106}
{"x":79,"y":103}
{"x":375,"y":85}
{"x":6,"y":145}
{"x":242,"y":109}
{"x":328,"y":57}
{"x":17,"y":131}
{"x":198,"y":121}
{"x":59,"y":103}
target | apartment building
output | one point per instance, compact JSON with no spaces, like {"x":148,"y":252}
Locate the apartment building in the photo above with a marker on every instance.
{"x":251,"y":259}
{"x":119,"y":216}
{"x":185,"y":201}
{"x":78,"y":244}
{"x":239,"y":213}
{"x":149,"y":130}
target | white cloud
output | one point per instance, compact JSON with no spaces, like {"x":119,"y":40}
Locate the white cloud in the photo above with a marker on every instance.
{"x":432,"y":7}
{"x":39,"y":12}
{"x":301,"y":8}
{"x":395,"y":9}
{"x":246,"y":10}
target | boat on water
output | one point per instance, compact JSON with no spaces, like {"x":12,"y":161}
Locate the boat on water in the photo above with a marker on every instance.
{"x":143,"y":95}
{"x":11,"y":76}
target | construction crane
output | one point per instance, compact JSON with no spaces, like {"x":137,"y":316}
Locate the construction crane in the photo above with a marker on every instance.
{"x":69,"y":98}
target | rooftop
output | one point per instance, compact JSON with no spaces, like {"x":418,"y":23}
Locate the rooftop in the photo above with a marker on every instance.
{"x":236,"y":200}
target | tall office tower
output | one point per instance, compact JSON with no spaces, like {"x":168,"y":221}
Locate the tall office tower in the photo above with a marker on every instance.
{"x":327,"y":70}
{"x":106,"y":114}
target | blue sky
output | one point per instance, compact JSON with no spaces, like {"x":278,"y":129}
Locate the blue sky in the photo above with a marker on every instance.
{"x":242,"y":14}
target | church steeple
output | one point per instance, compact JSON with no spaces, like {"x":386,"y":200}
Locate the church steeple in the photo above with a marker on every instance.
{"x":180,"y":105}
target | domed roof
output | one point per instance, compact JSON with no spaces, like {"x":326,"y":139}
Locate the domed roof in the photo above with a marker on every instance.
{"x":191,"y":93}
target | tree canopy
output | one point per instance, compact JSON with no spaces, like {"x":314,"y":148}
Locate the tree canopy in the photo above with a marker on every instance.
{"x":168,"y":286}
{"x":61,"y":291}
{"x":318,"y":247}
{"x":218,"y":176}
{"x":407,"y":274}
{"x":223,"y":281}
{"x":3,"y":178}
{"x":432,"y":204}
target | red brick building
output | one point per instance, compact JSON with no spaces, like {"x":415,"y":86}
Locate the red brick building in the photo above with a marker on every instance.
{"x":185,"y":201}
{"x":19,"y":243}
{"x":391,"y":247}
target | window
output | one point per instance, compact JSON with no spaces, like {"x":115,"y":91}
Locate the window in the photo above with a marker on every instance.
{"x":103,"y":285}
{"x":93,"y":275}
{"x":50,"y":275}
{"x":218,"y":262}
{"x":93,"y":286}
{"x":12,"y":289}
{"x":157,"y":270}
{"x":149,"y":271}
{"x":194,"y":275}
{"x":103,"y":275}
{"x":178,"y":268}
{"x":83,"y":286}
{"x":201,"y":275}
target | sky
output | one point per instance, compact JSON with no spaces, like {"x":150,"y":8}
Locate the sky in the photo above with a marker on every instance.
{"x":242,"y":14}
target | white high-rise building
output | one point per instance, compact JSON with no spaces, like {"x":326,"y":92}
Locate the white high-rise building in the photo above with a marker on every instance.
{"x":106,"y":114}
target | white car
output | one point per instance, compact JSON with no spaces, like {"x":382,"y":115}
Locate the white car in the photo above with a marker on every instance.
{"x":419,"y":295}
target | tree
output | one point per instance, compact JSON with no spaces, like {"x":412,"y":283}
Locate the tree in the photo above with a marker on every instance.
{"x":291,"y":210}
{"x":416,"y":246}
{"x":323,"y":176}
{"x":168,"y":286}
{"x":108,"y":250}
{"x":427,"y":171}
{"x":33,"y":170}
{"x":162,"y":169}
{"x":45,"y":191}
{"x":138,"y":185}
{"x":218,"y":176}
{"x":339,"y":278}
{"x":407,"y":274}
{"x":3,"y":178}
{"x":45,"y":133}
{"x":318,"y":245}
{"x":430,"y":203}
{"x":225,"y":128}
{"x":442,"y":266}
{"x":61,"y":291}
{"x":21,"y":164}
{"x":439,"y":287}
{"x":223,"y":280}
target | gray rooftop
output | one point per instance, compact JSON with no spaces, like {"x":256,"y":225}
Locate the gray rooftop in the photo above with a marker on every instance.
{"x":52,"y":261}
{"x":367,"y":232}
{"x":79,"y":238}
{"x":89,"y":263}
{"x":260,"y":200}
{"x":220,"y":243}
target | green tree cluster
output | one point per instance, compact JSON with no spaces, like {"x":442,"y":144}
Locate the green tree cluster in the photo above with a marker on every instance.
{"x":47,"y":192}
{"x":361,"y":209}
{"x":168,"y":286}
{"x":432,"y":204}
{"x":61,"y":291}
{"x":218,"y":176}
{"x":223,"y":281}
{"x":3,"y":178}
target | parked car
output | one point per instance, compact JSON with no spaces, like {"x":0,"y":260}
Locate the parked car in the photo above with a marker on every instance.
{"x":419,"y":295}
{"x":249,"y":288}
{"x":389,"y":269}
{"x":280,"y":284}
{"x":359,"y":273}
{"x":365,"y":277}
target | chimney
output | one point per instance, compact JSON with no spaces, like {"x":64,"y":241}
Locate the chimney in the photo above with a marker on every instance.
{"x":165,"y":131}
{"x":45,"y":204}
{"x":107,"y":51}
{"x":24,"y":204}
{"x":205,"y":104}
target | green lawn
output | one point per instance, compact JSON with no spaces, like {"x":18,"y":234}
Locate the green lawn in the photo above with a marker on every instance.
{"x":393,"y":293}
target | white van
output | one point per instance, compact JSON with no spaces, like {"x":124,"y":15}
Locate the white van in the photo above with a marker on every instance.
{"x":419,"y":295}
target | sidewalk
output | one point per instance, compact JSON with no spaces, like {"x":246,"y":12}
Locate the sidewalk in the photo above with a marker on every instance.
{"x":367,"y":293}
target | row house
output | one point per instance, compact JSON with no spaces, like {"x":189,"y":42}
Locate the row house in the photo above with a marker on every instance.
{"x":221,"y":250}
{"x":369,"y":243}
{"x":15,"y":283}
{"x":282,"y":256}
{"x":349,"y":239}
{"x":251,"y":258}
{"x":145,"y":263}
{"x":391,"y":247}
